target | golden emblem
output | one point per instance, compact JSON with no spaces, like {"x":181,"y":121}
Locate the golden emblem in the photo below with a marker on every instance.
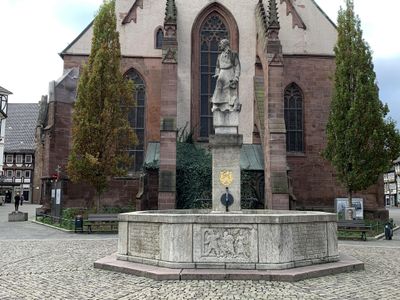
{"x":226,"y":178}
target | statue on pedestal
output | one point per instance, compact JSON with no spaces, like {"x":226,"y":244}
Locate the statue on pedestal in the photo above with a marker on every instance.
{"x":227,"y":72}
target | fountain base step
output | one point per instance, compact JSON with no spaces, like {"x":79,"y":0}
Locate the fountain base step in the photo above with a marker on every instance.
{"x":345,"y":264}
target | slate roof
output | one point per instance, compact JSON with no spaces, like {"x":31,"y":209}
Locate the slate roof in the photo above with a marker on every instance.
{"x":3,"y":91}
{"x":21,"y":127}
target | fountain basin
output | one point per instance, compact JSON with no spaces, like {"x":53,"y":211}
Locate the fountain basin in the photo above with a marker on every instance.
{"x":248,"y":239}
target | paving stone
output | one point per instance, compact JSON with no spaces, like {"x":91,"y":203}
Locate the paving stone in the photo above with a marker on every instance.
{"x":63,"y":269}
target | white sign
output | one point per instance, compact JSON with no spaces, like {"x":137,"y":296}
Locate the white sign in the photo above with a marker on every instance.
{"x":342,"y":203}
{"x":58,"y":196}
{"x":53,"y":193}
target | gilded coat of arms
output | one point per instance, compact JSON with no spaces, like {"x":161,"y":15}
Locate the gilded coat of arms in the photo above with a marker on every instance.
{"x":226,"y":178}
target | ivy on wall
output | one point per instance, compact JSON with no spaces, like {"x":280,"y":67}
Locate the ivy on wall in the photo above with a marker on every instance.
{"x":194,"y":179}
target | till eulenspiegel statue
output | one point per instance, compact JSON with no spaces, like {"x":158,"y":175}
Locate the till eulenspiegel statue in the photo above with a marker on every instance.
{"x":227,"y":72}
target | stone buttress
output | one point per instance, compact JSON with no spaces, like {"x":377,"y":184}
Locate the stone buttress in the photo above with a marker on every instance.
{"x":169,"y":79}
{"x":269,"y":50}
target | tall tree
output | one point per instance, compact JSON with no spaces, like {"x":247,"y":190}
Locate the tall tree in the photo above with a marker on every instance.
{"x":101,"y":133}
{"x":361,"y":143}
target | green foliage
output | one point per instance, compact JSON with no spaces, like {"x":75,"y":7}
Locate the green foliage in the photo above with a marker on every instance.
{"x":194,"y":178}
{"x":250,"y":198}
{"x":193,"y":174}
{"x":116,"y":210}
{"x":184,"y":136}
{"x":70,"y":213}
{"x":361,"y":143}
{"x":101,"y":131}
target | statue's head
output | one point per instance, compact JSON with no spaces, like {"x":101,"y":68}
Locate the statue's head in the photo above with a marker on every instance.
{"x":223,"y":44}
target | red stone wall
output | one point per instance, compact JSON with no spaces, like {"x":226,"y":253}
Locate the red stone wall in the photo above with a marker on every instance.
{"x":121,"y":193}
{"x":314,"y":181}
{"x":58,"y":138}
{"x":150,"y":70}
{"x":71,"y":61}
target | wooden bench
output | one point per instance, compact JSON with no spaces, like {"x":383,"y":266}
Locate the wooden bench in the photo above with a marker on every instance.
{"x":100,"y":221}
{"x":39,"y":212}
{"x":355,"y":226}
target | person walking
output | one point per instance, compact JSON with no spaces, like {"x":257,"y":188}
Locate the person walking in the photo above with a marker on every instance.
{"x":17,"y":199}
{"x":22,"y":199}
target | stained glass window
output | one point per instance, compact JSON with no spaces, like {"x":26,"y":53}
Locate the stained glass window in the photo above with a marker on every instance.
{"x":137,"y":121}
{"x":212,"y":31}
{"x":294,"y":118}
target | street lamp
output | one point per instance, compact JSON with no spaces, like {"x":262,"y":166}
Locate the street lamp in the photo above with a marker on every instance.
{"x":397,"y":181}
{"x":2,"y":197}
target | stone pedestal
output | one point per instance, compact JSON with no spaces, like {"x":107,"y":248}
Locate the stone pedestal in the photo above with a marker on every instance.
{"x":226,"y":122}
{"x":17,"y":216}
{"x":225,"y":169}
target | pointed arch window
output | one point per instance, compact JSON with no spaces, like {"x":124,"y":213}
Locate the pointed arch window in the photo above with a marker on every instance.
{"x":212,"y":31}
{"x":294,"y":118}
{"x":159,"y":38}
{"x":137,"y":120}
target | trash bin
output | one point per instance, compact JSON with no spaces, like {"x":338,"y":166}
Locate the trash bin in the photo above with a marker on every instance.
{"x":388,"y":231}
{"x":78,"y":223}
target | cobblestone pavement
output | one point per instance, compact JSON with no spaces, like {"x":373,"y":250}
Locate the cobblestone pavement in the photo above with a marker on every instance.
{"x":63,"y":269}
{"x":29,"y":230}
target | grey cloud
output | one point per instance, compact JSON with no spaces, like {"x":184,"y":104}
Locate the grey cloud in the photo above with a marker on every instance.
{"x":388,"y":77}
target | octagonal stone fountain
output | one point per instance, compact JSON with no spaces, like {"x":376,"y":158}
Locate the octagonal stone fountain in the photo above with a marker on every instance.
{"x":251,"y":239}
{"x":227,"y":242}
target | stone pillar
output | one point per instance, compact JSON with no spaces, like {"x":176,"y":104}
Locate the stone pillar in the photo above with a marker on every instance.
{"x":226,"y":169}
{"x":275,"y":139}
{"x":269,"y":50}
{"x":169,"y":83}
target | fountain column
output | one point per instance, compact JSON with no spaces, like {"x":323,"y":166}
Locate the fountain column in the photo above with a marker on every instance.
{"x":226,"y":143}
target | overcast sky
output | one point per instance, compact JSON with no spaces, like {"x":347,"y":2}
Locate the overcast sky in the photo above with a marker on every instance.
{"x":33,"y":32}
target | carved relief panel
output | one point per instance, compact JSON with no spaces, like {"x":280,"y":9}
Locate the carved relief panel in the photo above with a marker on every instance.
{"x":225,"y":243}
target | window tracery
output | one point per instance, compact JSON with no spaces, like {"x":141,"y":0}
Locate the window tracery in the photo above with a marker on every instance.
{"x":212,"y":31}
{"x":294,"y":118}
{"x":137,"y":121}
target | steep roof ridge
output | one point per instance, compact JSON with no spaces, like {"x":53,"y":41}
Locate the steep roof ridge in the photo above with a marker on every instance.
{"x":63,"y":52}
{"x":3,"y":91}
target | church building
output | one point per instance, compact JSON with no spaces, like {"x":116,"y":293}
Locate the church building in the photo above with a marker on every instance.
{"x":169,"y":49}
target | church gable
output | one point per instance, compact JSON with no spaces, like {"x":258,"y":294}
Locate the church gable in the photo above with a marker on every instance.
{"x":296,"y":19}
{"x":137,"y":23}
{"x":305,"y":28}
{"x":81,"y":44}
{"x":132,"y":14}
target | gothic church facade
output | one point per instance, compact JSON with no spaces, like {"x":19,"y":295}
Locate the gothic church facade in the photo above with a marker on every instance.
{"x":169,"y":49}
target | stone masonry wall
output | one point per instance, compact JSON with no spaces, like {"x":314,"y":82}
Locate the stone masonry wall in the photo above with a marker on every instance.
{"x":314,"y":181}
{"x":58,"y":136}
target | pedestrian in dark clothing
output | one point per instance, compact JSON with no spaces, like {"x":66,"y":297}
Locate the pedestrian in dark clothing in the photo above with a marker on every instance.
{"x":22,"y":199}
{"x":17,"y":199}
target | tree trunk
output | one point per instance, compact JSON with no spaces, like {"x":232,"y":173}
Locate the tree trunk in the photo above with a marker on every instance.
{"x":349,"y":214}
{"x":98,"y":202}
{"x":350,"y":199}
